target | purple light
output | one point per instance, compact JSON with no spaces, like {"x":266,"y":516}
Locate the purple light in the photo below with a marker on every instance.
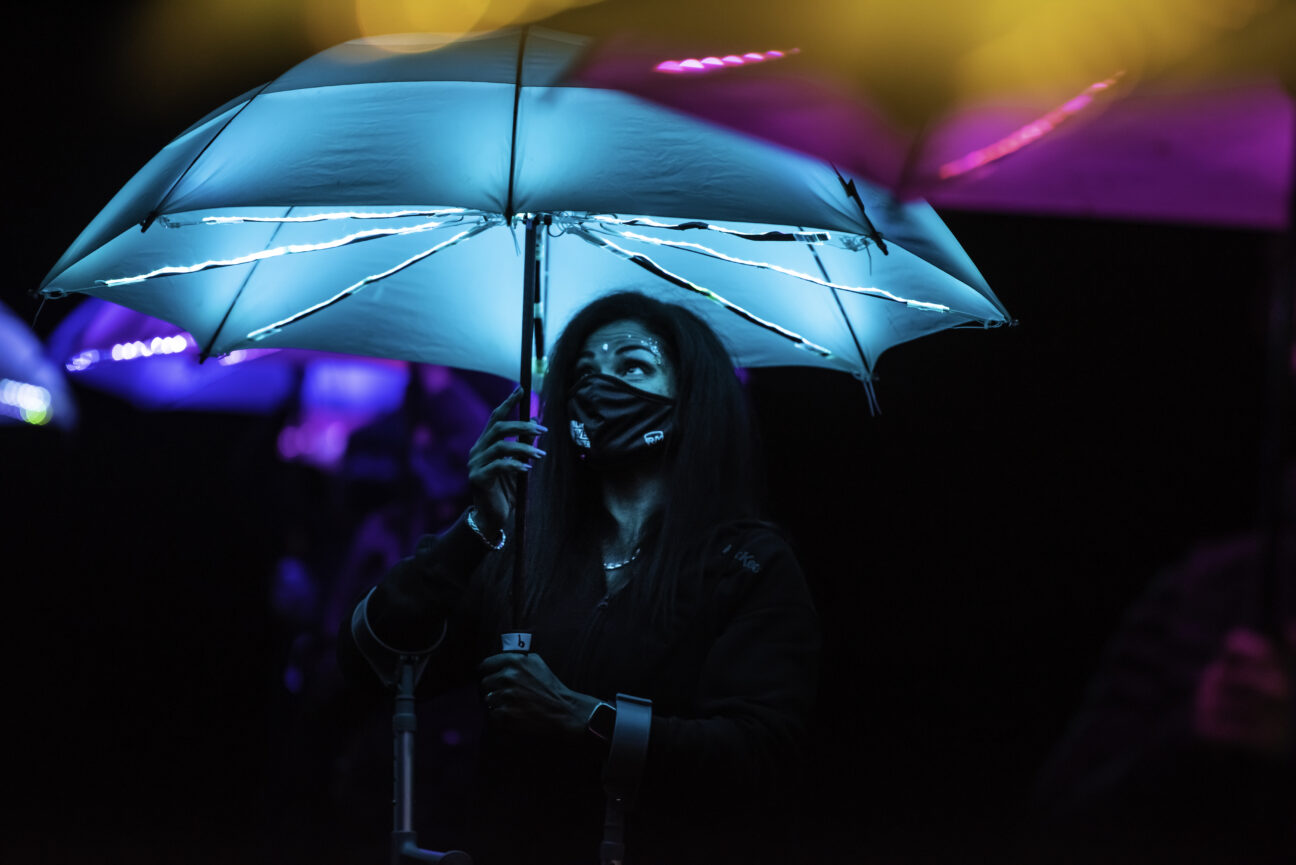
{"x":289,"y":448}
{"x":242,"y":355}
{"x":320,"y":438}
{"x":1032,"y":131}
{"x":133,"y":350}
{"x":708,"y":64}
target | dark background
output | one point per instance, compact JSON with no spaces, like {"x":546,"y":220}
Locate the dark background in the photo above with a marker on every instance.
{"x":972,"y":548}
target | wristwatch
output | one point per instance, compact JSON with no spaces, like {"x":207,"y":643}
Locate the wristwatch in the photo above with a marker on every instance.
{"x":602,"y":721}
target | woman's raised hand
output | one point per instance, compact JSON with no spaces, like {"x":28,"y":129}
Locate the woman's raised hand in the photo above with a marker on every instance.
{"x":495,"y":461}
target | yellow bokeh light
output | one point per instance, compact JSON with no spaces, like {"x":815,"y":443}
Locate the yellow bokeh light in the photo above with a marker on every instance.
{"x":1050,"y":48}
{"x":451,"y":17}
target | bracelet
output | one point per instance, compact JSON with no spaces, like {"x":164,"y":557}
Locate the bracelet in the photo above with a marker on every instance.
{"x":472,"y":524}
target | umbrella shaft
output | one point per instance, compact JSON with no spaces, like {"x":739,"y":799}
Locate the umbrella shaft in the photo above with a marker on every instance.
{"x":530,"y":277}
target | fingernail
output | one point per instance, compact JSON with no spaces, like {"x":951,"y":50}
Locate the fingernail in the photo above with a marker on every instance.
{"x":539,"y":452}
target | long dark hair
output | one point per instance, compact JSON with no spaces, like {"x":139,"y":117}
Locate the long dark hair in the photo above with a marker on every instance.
{"x":711,"y":477}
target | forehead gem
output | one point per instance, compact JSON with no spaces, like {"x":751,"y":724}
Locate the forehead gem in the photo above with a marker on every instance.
{"x":644,"y":341}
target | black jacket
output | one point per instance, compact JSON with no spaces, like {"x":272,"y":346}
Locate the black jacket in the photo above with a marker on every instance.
{"x":732,"y":679}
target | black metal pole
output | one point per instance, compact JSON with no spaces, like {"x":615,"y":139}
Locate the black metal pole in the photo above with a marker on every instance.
{"x":404,"y":840}
{"x":529,"y":275}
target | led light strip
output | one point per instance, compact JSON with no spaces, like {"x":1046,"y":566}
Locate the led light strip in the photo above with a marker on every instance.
{"x":657,"y":270}
{"x":171,"y":222}
{"x":123,"y":351}
{"x":262,"y":333}
{"x":797,"y":236}
{"x":698,"y":248}
{"x":291,"y":249}
{"x":1032,"y":131}
{"x":695,"y":65}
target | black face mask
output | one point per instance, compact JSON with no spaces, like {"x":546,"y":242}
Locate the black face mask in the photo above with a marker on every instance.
{"x":615,"y":424}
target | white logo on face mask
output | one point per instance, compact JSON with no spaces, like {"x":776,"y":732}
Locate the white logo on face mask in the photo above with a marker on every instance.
{"x":653,"y":437}
{"x":578,"y":434}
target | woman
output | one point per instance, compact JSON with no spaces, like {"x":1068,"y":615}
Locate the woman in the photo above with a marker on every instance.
{"x":648,"y":575}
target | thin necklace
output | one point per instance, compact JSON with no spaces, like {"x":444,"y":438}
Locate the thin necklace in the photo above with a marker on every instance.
{"x":612,"y":566}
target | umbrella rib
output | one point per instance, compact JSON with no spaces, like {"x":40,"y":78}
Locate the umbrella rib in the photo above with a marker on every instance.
{"x":841,"y":308}
{"x":270,"y":329}
{"x":698,"y":248}
{"x":517,"y":98}
{"x":211,"y":343}
{"x":290,"y":249}
{"x":852,"y":192}
{"x":675,"y":279}
{"x":171,"y":222}
{"x":874,"y":409}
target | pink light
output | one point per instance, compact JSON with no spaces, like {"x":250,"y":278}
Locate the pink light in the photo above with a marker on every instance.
{"x":708,"y":64}
{"x":1032,"y":131}
{"x":1076,"y":104}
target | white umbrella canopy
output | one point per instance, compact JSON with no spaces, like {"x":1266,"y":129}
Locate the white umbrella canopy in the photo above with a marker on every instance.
{"x":373,"y":200}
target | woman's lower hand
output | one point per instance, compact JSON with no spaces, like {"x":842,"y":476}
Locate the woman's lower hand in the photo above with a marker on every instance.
{"x":522,"y":693}
{"x":495,"y":461}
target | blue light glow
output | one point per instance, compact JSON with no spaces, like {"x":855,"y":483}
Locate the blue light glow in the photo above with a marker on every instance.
{"x":26,"y":402}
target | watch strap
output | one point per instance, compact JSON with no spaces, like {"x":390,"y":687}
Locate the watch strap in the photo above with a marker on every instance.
{"x":602,"y":721}
{"x":623,"y":770}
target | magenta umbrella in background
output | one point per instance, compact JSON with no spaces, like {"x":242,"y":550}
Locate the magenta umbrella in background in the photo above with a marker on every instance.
{"x":1147,"y":110}
{"x":32,"y":389}
{"x":326,"y":397}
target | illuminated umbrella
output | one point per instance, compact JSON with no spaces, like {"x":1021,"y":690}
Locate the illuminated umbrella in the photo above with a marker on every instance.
{"x":374,"y":200}
{"x":32,"y":390}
